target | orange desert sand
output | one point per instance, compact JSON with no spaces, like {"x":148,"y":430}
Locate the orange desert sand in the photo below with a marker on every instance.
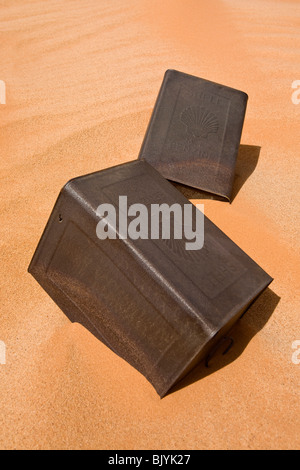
{"x":81,"y":81}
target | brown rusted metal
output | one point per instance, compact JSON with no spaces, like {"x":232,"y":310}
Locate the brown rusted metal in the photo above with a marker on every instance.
{"x":160,"y":307}
{"x":194,"y":133}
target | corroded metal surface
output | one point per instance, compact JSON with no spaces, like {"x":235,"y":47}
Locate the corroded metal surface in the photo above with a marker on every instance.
{"x":160,"y":307}
{"x":194,"y":133}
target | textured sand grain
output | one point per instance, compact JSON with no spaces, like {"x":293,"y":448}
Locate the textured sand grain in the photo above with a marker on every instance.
{"x":81,"y":83}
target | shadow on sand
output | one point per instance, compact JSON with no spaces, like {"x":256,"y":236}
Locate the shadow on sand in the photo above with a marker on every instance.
{"x":244,"y":330}
{"x":245,"y":165}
